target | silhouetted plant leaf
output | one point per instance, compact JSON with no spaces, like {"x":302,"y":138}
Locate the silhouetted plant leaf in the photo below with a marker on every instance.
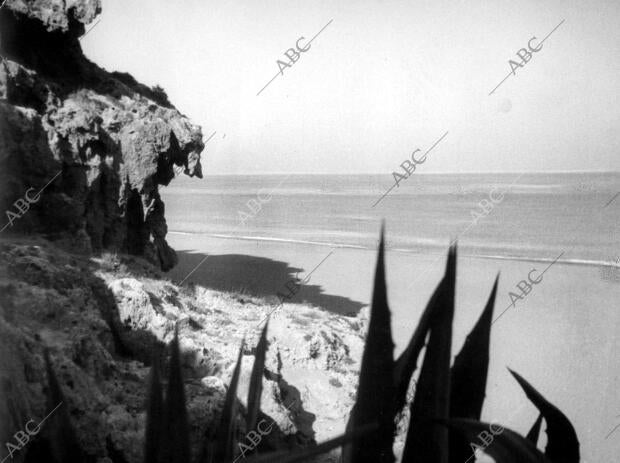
{"x":305,"y":454}
{"x":154,"y":416}
{"x":375,"y":393}
{"x":562,"y":442}
{"x":506,"y":447}
{"x":534,"y":433}
{"x":256,"y":380}
{"x":63,"y":442}
{"x":426,"y":441}
{"x":469,"y":377}
{"x":225,"y":435}
{"x":406,"y":363}
{"x":175,"y":433}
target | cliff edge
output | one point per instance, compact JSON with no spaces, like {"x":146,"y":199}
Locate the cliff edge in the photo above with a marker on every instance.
{"x":82,"y":154}
{"x":98,"y":143}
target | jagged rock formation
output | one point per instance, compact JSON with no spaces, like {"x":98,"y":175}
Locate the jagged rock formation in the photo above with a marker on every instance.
{"x":100,"y":141}
{"x":100,"y":144}
{"x":101,"y":317}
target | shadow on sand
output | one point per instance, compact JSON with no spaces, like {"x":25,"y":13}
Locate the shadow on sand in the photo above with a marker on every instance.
{"x":257,"y":276}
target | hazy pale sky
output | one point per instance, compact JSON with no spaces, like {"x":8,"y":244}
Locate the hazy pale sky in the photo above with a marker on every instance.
{"x":384,"y":78}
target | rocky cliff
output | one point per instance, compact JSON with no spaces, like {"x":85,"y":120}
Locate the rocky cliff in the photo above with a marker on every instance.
{"x":98,"y":143}
{"x":82,"y":154}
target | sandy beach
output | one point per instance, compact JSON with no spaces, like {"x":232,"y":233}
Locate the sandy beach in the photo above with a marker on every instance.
{"x":566,"y":320}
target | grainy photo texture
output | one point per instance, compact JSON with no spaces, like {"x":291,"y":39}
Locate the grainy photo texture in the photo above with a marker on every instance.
{"x":371,"y":231}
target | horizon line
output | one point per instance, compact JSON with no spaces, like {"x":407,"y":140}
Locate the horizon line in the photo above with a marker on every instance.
{"x":421,"y":173}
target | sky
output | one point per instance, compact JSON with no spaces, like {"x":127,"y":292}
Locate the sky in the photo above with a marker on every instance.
{"x":382,"y":79}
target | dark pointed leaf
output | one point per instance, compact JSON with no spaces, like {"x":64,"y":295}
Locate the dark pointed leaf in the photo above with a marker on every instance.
{"x":534,"y":433}
{"x":470,"y":369}
{"x":406,"y":363}
{"x":562,"y":442}
{"x":307,"y":454}
{"x":469,"y":377}
{"x":256,"y":380}
{"x":175,"y":447}
{"x":375,"y":392}
{"x":504,"y":445}
{"x":226,"y":431}
{"x":426,"y":441}
{"x":63,"y":442}
{"x":154,"y":416}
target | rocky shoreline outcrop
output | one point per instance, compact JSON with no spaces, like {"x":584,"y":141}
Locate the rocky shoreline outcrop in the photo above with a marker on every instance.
{"x":99,"y":142}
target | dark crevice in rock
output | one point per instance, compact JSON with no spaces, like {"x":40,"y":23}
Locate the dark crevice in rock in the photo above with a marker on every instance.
{"x":117,"y":140}
{"x":135,"y":224}
{"x":52,"y":54}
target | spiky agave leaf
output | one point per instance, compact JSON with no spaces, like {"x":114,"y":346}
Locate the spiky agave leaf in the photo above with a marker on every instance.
{"x":224,"y":445}
{"x":562,"y":442}
{"x":471,"y":365}
{"x":406,"y":363}
{"x":504,"y":445}
{"x":375,"y":393}
{"x":63,"y":442}
{"x":284,"y":456}
{"x":534,"y":433}
{"x":256,"y":380}
{"x":469,"y":377}
{"x":175,"y":447}
{"x":426,"y":441}
{"x":154,"y":415}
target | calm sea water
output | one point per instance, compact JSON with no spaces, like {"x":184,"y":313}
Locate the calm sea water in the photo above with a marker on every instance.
{"x":540,"y":215}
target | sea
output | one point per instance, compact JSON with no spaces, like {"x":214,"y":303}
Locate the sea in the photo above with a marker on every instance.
{"x":533,"y":216}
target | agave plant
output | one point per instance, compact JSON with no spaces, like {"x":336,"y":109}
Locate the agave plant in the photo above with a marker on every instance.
{"x":444,"y":413}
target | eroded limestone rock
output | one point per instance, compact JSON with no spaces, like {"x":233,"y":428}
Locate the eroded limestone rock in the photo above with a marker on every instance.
{"x":100,"y":143}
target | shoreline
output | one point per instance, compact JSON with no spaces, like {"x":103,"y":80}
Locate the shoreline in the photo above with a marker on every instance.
{"x":430,"y":251}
